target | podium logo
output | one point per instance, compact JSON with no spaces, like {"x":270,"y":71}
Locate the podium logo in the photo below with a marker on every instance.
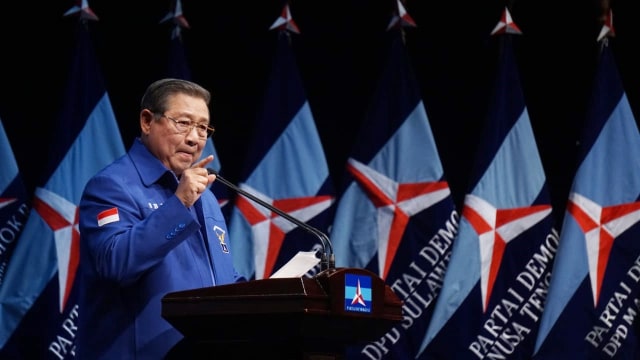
{"x":357,"y":293}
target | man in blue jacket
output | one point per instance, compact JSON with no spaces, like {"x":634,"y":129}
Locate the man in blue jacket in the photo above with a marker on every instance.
{"x":150,"y":226}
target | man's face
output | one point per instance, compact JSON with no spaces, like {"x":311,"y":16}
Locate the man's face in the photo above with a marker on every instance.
{"x":176,"y":150}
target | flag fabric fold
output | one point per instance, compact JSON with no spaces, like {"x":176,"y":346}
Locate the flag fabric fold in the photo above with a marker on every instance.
{"x":494,"y":287}
{"x":40,"y":307}
{"x":285,"y":167}
{"x":592,"y":304}
{"x":396,"y":216}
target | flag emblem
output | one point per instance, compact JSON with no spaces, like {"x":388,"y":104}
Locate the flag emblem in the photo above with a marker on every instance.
{"x":108,"y":216}
{"x":357,"y":293}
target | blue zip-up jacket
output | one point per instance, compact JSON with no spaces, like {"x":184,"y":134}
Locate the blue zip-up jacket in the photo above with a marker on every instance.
{"x":138,"y":242}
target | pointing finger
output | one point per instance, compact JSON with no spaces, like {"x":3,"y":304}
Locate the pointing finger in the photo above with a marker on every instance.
{"x":202,"y":163}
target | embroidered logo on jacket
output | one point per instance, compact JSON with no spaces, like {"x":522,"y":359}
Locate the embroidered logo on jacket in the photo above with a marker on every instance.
{"x":220,"y":233}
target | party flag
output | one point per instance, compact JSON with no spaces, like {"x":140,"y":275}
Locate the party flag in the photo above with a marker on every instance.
{"x":396,"y":216}
{"x":178,"y":67}
{"x":39,"y":298}
{"x":493,"y":292}
{"x":285,"y":167}
{"x":592,"y":303}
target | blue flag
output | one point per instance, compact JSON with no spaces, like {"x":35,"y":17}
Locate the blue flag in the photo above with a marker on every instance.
{"x":396,"y":216}
{"x":40,"y":310}
{"x":491,"y":301}
{"x":14,"y":204}
{"x":178,"y":67}
{"x":286,"y":167}
{"x":592,"y":305}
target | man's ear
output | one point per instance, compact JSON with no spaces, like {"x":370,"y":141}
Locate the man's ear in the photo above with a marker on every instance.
{"x":146,"y":117}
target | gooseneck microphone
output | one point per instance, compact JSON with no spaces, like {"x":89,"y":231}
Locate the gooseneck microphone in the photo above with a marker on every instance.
{"x":327,"y":260}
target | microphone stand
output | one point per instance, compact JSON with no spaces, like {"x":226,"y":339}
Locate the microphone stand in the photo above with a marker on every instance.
{"x":327,"y":260}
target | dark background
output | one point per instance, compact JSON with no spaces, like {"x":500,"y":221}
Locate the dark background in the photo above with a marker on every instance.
{"x":340,"y":53}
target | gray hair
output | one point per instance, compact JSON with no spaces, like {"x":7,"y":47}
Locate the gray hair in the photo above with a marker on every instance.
{"x":155,"y":97}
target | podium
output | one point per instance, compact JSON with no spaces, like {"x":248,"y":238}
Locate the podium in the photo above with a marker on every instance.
{"x":286,"y":318}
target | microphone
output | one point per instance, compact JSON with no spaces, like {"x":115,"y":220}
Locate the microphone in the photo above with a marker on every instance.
{"x":327,"y":260}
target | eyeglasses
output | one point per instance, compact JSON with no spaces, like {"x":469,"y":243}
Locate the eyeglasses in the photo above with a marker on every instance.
{"x":184,"y":126}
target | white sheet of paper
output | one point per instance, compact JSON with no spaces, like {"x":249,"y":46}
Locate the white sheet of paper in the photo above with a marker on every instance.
{"x":299,"y":265}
